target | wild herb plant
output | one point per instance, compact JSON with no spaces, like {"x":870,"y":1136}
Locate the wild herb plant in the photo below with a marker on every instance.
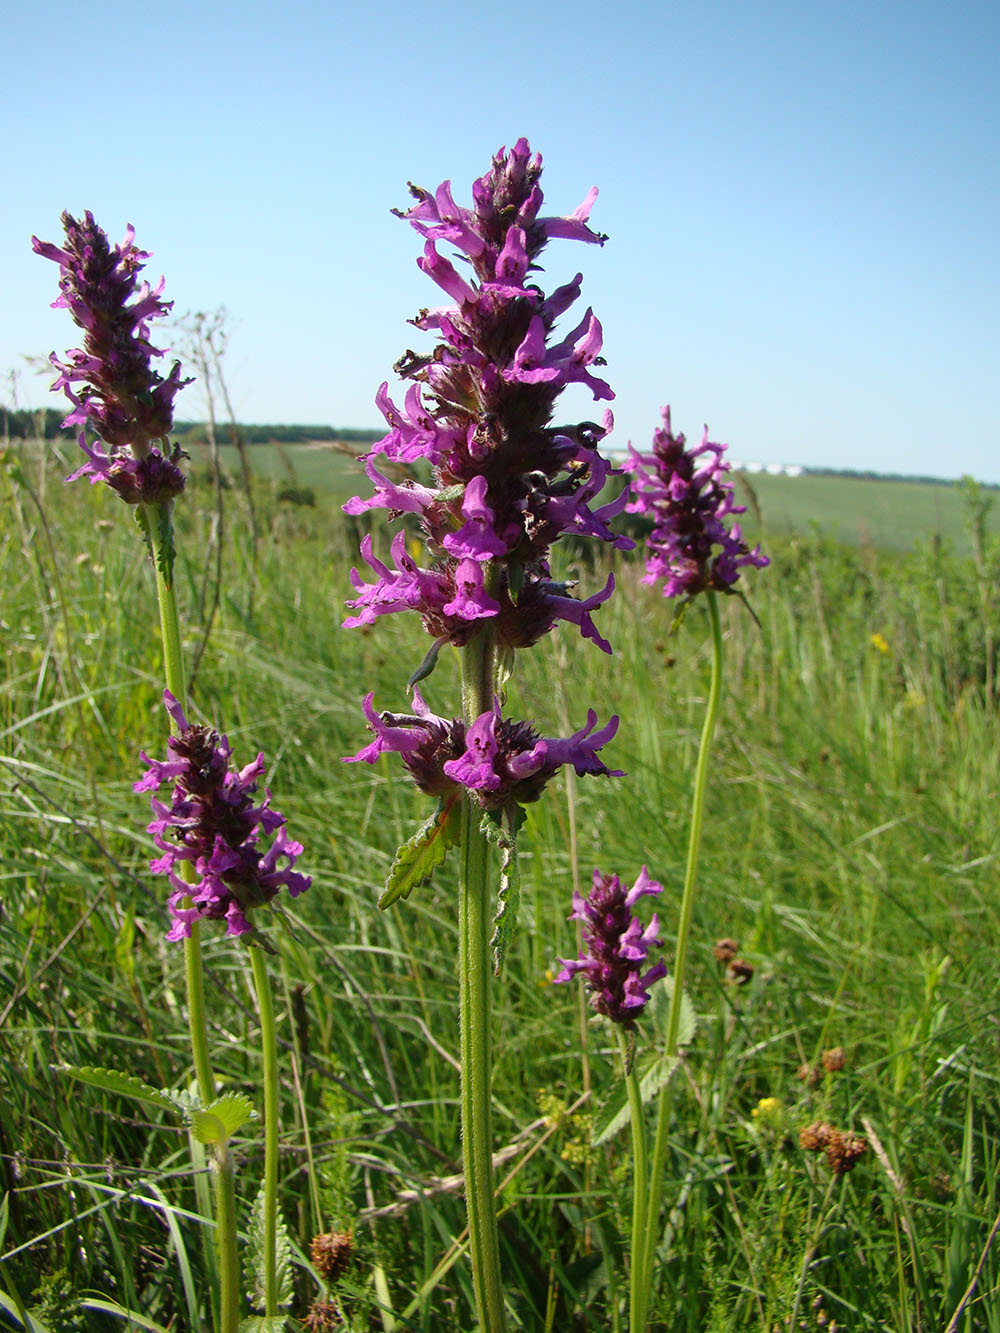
{"x":690,"y":551}
{"x":209,"y":835}
{"x":505,"y":485}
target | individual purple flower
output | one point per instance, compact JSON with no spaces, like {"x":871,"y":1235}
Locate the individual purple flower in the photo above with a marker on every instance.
{"x":506,"y":483}
{"x":110,"y":380}
{"x":212,"y":822}
{"x":687,"y":495}
{"x":498,"y":760}
{"x":616,"y":944}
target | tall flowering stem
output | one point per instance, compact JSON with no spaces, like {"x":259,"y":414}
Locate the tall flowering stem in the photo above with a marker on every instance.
{"x":504,"y":485}
{"x":616,"y":948}
{"x":691,"y":550}
{"x":210,"y":835}
{"x":123,"y":409}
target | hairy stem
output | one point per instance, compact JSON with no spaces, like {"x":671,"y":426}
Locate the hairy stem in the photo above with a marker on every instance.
{"x":680,"y":962}
{"x":265,"y":1007}
{"x":638,"y":1288}
{"x":475,"y":979}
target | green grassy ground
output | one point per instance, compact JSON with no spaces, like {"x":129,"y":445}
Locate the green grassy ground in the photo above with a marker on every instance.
{"x":851,"y":850}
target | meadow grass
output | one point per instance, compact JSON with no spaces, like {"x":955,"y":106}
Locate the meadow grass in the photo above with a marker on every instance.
{"x":888,"y":514}
{"x":850,"y":848}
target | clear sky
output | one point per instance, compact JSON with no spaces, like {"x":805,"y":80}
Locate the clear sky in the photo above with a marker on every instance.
{"x":802,"y":198}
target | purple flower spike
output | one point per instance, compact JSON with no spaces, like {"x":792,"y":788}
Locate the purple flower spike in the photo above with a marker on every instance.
{"x":212,"y":823}
{"x":506,"y":482}
{"x":617,"y":945}
{"x":686,"y":493}
{"x":125,"y":402}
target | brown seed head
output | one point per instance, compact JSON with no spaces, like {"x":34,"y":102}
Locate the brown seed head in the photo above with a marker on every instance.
{"x":834,"y":1059}
{"x":740,"y":972}
{"x":322,"y":1316}
{"x":725,"y":950}
{"x":809,"y":1075}
{"x":816,"y":1136}
{"x":331,"y":1253}
{"x":844,"y":1151}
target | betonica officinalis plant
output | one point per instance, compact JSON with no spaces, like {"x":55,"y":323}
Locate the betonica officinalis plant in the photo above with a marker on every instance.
{"x":504,"y":484}
{"x":224,"y":855}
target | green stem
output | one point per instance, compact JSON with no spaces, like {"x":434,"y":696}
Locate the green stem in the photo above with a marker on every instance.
{"x":638,"y":1294}
{"x":225,"y":1240}
{"x":475,"y":980}
{"x":683,"y":933}
{"x":157,"y":521}
{"x":265,"y":1008}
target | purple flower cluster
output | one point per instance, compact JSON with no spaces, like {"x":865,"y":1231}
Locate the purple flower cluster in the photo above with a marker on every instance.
{"x":496,"y":759}
{"x":505,"y":483}
{"x":617,"y":945}
{"x":212,"y":822}
{"x":686,"y":493}
{"x":501,"y":483}
{"x":126,"y":403}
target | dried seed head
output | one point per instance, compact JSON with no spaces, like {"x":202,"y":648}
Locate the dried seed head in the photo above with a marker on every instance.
{"x":725,"y":950}
{"x":816,"y":1136}
{"x":322,"y":1316}
{"x":809,"y":1075}
{"x":331,"y":1253}
{"x":844,"y":1151}
{"x":740,"y":972}
{"x":834,"y":1059}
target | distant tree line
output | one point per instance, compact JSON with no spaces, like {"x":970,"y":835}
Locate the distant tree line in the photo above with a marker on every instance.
{"x":869,"y":475}
{"x":24,"y":424}
{"x":281,"y":434}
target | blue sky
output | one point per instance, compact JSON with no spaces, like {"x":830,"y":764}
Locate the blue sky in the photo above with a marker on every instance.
{"x":801,"y":198}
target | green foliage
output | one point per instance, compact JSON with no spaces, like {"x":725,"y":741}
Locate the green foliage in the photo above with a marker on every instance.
{"x":851,"y":849}
{"x":501,"y":827}
{"x":254,"y":1266}
{"x":219,"y":1120}
{"x":418,"y":857}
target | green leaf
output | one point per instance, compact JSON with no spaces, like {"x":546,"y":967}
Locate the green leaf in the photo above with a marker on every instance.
{"x":259,"y":1323}
{"x":142,"y":523}
{"x":254,"y":1261}
{"x":614,"y":1114}
{"x":661,"y":995}
{"x":428,"y":664}
{"x":656,"y":1078}
{"x":417,"y":859}
{"x":166,"y":552}
{"x":126,"y":1085}
{"x":219,"y":1120}
{"x":502,"y":828}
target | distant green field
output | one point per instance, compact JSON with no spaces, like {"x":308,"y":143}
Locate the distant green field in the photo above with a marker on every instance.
{"x":886,"y":514}
{"x":891,"y":515}
{"x":322,"y":466}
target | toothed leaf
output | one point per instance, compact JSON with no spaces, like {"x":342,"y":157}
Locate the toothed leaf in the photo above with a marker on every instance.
{"x":166,"y":552}
{"x":501,"y":827}
{"x":614,"y":1114}
{"x":219,"y":1120}
{"x":255,"y":1263}
{"x":417,"y":859}
{"x":127,"y":1085}
{"x":660,"y":998}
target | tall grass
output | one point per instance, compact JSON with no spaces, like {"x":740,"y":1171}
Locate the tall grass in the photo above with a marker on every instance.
{"x":850,"y":848}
